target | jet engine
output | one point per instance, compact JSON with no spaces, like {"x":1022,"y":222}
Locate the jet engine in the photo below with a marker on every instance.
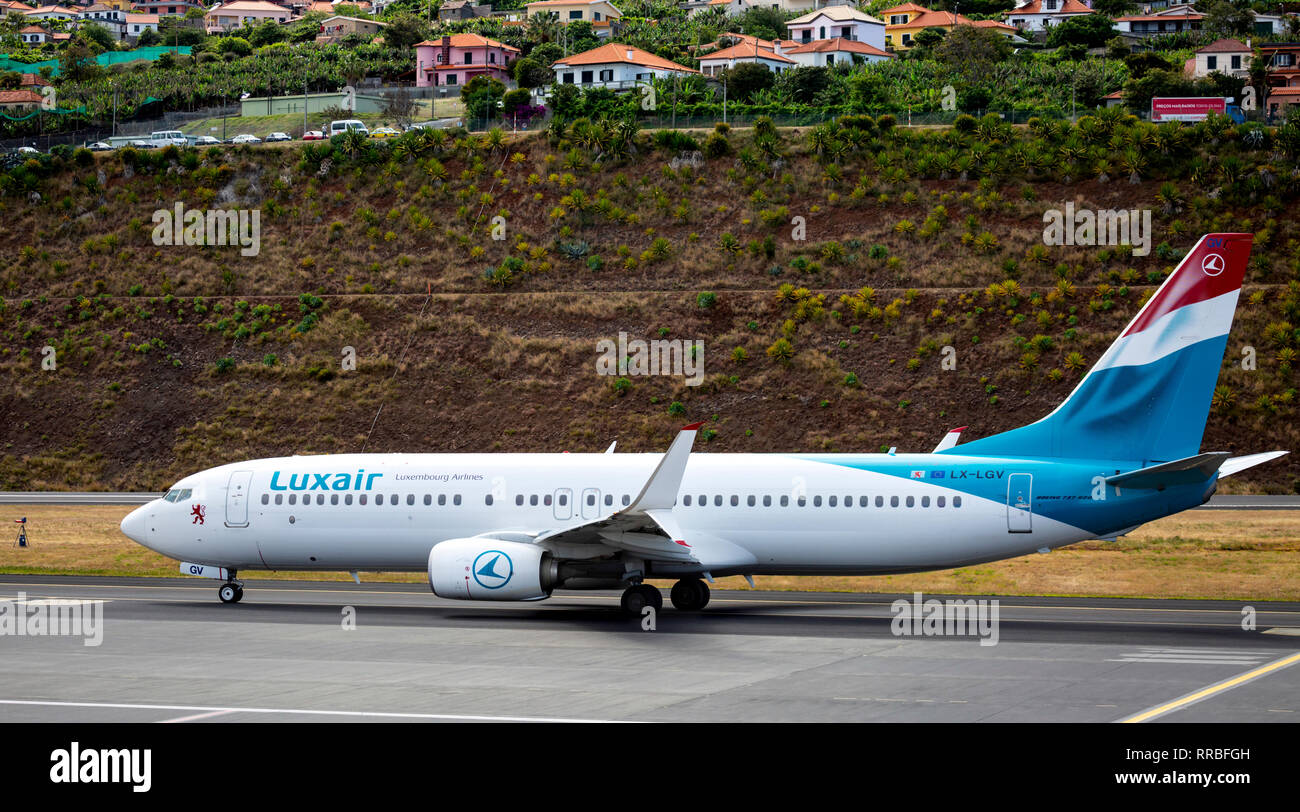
{"x":485,"y":569}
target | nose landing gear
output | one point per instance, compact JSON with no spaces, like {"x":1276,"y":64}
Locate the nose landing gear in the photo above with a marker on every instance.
{"x":231,"y":591}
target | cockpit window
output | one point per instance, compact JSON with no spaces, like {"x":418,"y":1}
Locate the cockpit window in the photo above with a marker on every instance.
{"x":177,"y":494}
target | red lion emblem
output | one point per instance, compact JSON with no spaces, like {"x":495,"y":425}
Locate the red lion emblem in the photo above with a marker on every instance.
{"x":198,"y":512}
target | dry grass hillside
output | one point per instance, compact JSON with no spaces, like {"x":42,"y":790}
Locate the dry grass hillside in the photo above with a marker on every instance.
{"x":172,"y":358}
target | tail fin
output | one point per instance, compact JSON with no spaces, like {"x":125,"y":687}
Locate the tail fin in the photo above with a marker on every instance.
{"x":1147,"y":398}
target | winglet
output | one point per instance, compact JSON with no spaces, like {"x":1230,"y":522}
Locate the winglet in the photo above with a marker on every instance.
{"x":660,"y":491}
{"x":949,"y":440}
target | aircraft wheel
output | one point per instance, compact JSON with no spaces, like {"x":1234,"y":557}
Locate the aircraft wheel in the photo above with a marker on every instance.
{"x":230,"y":593}
{"x":638,"y":597}
{"x":690,"y":595}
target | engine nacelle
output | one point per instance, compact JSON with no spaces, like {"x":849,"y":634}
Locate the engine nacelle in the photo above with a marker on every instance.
{"x":484,"y":569}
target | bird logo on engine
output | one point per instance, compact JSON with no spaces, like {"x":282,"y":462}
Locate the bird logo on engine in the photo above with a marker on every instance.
{"x":493,"y":569}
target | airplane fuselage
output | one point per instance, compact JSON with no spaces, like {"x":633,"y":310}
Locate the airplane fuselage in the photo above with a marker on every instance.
{"x":796,"y":514}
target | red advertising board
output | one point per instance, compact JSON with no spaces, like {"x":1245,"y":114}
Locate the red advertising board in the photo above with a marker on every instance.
{"x":1187,"y":108}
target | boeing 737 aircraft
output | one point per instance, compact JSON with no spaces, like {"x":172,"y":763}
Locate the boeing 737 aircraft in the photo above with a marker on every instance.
{"x":1123,"y":449}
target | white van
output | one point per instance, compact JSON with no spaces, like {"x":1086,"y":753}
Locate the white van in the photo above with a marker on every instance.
{"x":163,"y":138}
{"x":345,"y":124}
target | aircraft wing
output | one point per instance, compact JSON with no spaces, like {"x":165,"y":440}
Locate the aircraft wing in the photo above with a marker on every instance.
{"x":648,"y":527}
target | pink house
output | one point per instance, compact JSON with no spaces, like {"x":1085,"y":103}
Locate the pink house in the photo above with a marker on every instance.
{"x":454,"y":59}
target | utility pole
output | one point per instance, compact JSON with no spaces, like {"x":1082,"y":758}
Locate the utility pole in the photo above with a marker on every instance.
{"x":114,"y":110}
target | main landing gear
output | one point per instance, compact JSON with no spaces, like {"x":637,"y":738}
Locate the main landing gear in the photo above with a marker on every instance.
{"x":690,"y":595}
{"x":231,"y":591}
{"x":638,"y":596}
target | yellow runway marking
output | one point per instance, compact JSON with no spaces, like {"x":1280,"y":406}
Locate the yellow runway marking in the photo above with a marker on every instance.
{"x":1217,"y":688}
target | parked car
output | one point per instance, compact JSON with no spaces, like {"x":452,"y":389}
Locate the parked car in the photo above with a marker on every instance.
{"x":163,"y":138}
{"x":98,"y":146}
{"x":245,"y":138}
{"x":384,"y":132}
{"x":29,"y":151}
{"x":206,"y":141}
{"x":141,"y":143}
{"x":345,"y":124}
{"x":313,"y":135}
{"x":278,"y":137}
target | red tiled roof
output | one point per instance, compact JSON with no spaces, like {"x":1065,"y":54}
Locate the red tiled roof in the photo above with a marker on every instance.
{"x":616,"y":52}
{"x":838,"y":44}
{"x":747,"y":51}
{"x":1224,"y":46}
{"x":467,"y":41}
{"x":19,"y":97}
{"x":1036,"y":7}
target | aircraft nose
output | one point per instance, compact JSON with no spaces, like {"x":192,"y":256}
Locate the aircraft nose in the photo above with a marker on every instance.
{"x":136,"y":524}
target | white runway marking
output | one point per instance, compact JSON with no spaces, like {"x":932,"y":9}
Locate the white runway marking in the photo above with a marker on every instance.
{"x":1196,"y":656}
{"x":449,"y":717}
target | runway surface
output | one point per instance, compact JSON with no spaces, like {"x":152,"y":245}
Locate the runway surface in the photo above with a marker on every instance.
{"x":1290,"y":502}
{"x":171,"y":652}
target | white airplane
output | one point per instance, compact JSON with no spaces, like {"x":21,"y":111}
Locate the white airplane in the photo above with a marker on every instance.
{"x":1123,"y":449}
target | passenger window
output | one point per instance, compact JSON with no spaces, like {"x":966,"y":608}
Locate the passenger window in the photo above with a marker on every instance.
{"x":564,"y":499}
{"x":956,"y":501}
{"x":410,"y":499}
{"x":266,"y":498}
{"x":911,"y":501}
{"x":428,"y":499}
{"x":735,"y":500}
{"x":442,"y":499}
{"x":831,"y":502}
{"x":546,"y":500}
{"x":627,"y":500}
{"x":862,"y":501}
{"x":293,"y":498}
{"x":361,"y":499}
{"x":893,"y":501}
{"x":279,"y":499}
{"x":848,"y":501}
{"x":347,"y":499}
{"x":880,"y":501}
{"x":532,"y":500}
{"x":487,"y":500}
{"x":939,"y":501}
{"x":686,"y":500}
{"x":717,"y":500}
{"x":609,"y":500}
{"x":817,"y":501}
{"x":334,"y":498}
{"x":785,"y":501}
{"x":455,"y":500}
{"x":925,"y":501}
{"x":519,"y":499}
{"x":803,"y":501}
{"x":591,"y":500}
{"x":767,"y":500}
{"x":750,"y":500}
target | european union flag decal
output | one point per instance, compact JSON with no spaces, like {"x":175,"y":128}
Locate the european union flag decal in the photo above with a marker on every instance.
{"x":936,"y":475}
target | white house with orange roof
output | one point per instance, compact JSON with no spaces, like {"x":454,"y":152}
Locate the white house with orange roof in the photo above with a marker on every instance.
{"x":65,"y":13}
{"x":1173,"y":20}
{"x":747,"y":49}
{"x":836,"y":51}
{"x":838,"y":22}
{"x":1040,"y":15}
{"x":904,"y":22}
{"x":239,"y":13}
{"x":454,"y":59}
{"x":615,"y":66}
{"x":33,"y":35}
{"x":1227,"y":56}
{"x":137,"y":24}
{"x":567,"y":11}
{"x":10,"y":6}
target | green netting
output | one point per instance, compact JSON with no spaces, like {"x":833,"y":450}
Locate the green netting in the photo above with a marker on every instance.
{"x":35,"y":113}
{"x":105,"y":59}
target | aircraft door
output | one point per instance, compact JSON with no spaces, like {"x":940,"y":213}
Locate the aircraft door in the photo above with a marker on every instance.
{"x":237,"y":499}
{"x":1020,"y":500}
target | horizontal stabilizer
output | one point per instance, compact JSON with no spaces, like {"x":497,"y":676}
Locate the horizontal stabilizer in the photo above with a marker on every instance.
{"x":1234,"y":464}
{"x":1176,"y":472}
